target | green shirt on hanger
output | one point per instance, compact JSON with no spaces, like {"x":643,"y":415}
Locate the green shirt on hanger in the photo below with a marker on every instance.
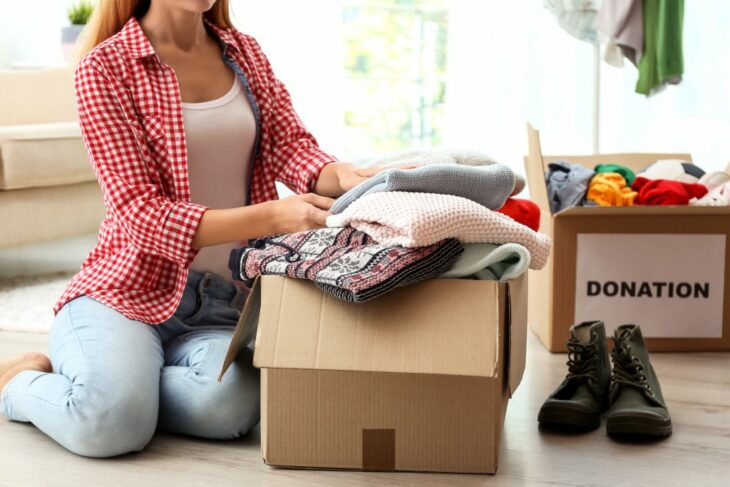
{"x":662,"y":61}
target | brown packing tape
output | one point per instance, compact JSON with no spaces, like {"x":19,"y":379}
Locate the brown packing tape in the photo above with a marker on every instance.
{"x":246,"y":327}
{"x":378,"y":450}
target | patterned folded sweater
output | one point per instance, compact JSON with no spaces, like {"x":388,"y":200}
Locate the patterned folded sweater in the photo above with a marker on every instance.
{"x":344,"y":262}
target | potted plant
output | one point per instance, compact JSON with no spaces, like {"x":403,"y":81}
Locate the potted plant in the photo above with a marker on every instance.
{"x":78,"y":14}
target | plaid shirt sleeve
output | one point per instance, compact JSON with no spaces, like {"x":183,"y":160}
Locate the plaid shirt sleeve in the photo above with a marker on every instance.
{"x":297,"y":157}
{"x":152,"y":221}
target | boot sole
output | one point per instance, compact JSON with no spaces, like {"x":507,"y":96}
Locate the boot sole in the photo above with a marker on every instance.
{"x":571,"y":418}
{"x":638,"y":427}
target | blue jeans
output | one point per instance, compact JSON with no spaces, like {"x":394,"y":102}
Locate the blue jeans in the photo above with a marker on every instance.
{"x":117,"y":380}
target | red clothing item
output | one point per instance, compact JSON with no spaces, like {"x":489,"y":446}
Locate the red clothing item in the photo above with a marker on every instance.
{"x":666,"y":193}
{"x":130,"y":113}
{"x":522,"y":211}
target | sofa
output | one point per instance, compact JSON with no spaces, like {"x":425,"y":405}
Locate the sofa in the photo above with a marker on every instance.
{"x":47,"y":187}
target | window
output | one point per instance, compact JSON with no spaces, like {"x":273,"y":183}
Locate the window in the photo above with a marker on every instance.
{"x":395,"y":72}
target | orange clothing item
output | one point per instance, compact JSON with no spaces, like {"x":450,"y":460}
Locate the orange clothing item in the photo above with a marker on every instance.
{"x":610,"y":189}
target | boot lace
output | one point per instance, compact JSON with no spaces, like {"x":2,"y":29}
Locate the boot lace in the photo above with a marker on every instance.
{"x":583,"y":364}
{"x":627,"y":368}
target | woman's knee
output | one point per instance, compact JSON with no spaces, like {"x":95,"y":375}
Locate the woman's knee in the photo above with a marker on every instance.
{"x":112,"y":428}
{"x":232,"y":407}
{"x":236,"y":399}
{"x":212,"y":409}
{"x":109,"y":404}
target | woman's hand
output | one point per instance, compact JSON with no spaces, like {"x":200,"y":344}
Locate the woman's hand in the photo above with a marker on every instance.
{"x":353,"y":176}
{"x":299,"y":213}
{"x":288,"y":215}
{"x":337,"y":178}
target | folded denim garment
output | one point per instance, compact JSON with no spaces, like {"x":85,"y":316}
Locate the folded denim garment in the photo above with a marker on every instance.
{"x":489,"y":186}
{"x":490,"y":262}
{"x":417,"y":219}
{"x":344,"y":262}
{"x":567,"y":185}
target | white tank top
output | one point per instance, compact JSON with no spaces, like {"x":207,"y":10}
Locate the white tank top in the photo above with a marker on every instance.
{"x":219,"y":135}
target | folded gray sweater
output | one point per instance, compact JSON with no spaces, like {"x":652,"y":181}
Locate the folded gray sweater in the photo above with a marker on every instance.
{"x":422,"y":157}
{"x":489,"y":186}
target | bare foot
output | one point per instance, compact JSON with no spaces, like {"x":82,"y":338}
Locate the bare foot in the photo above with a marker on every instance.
{"x":28,"y":361}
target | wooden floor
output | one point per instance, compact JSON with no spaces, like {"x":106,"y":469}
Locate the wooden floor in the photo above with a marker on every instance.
{"x":696,"y":386}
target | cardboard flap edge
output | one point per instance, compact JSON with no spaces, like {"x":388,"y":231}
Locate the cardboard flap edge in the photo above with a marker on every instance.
{"x":535,"y":170}
{"x":293,"y":312}
{"x":642,"y":211}
{"x":245,"y":328}
{"x":516,"y":332}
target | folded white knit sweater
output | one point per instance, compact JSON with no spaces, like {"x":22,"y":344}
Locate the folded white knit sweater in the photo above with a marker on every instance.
{"x":418,"y":219}
{"x":490,"y":262}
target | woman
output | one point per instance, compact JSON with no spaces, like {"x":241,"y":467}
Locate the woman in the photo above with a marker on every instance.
{"x":187,"y":129}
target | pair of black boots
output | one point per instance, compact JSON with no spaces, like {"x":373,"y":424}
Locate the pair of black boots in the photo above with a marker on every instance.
{"x":630,"y":392}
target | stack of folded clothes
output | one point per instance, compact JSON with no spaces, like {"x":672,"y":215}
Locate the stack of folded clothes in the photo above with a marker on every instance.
{"x":439,"y":220}
{"x":668,"y":182}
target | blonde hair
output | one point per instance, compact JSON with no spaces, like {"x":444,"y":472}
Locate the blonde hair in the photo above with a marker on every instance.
{"x":110,"y":16}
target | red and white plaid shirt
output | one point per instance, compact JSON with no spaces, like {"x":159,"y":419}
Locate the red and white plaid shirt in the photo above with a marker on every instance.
{"x":130,"y":113}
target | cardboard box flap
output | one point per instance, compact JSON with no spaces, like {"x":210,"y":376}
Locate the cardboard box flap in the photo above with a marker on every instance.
{"x":246,"y":327}
{"x":407,"y":330}
{"x":536,"y":164}
{"x":636,"y":162}
{"x":535,"y":171}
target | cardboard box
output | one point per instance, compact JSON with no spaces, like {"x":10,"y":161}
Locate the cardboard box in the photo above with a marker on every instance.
{"x":416,"y":380}
{"x":663,"y":268}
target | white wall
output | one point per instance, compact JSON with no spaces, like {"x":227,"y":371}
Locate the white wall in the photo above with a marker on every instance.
{"x":509,"y":62}
{"x":30,"y":32}
{"x":304,"y":42}
{"x":693,"y":116}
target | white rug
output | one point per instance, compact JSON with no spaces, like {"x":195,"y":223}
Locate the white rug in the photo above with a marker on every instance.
{"x":26,"y":303}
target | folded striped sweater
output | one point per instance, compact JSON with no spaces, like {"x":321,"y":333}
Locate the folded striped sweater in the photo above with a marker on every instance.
{"x":344,"y":262}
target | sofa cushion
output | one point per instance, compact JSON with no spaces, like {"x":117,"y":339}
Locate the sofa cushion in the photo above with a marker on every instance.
{"x":41,"y":155}
{"x":43,"y":214}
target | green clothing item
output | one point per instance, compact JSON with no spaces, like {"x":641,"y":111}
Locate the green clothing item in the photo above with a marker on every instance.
{"x":627,"y":173}
{"x":662,"y":61}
